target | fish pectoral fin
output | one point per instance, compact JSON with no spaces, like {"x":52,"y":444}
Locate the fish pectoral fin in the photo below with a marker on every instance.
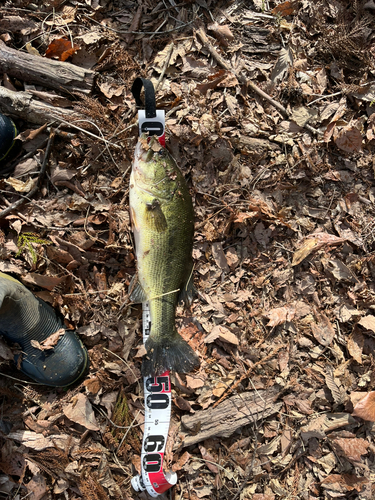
{"x":137,"y":294}
{"x":155,"y":219}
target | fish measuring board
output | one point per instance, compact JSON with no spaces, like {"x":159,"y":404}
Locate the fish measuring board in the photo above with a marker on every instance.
{"x":157,"y":396}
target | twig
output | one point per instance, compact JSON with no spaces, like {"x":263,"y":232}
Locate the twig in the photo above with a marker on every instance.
{"x":127,"y":432}
{"x":38,"y":184}
{"x":165,"y":66}
{"x":323,"y":97}
{"x":115,"y":425}
{"x":220,"y":60}
{"x":127,"y":366}
{"x":123,"y":32}
{"x":19,"y":380}
{"x":246,"y":375}
{"x":87,"y":132}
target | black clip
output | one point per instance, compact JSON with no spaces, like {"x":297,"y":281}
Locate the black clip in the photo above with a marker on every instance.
{"x":150,"y":103}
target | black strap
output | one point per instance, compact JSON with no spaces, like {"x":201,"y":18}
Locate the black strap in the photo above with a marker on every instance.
{"x":150,"y":103}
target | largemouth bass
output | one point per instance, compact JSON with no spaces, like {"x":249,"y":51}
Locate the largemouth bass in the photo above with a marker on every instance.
{"x":162,"y":218}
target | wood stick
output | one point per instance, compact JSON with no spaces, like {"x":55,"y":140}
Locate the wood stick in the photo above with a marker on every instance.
{"x":57,"y":75}
{"x":235,"y":412}
{"x":220,"y":60}
{"x":24,"y":105}
{"x":246,"y":375}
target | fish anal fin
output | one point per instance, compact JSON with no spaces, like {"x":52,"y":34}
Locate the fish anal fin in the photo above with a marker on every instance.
{"x":137,"y":294}
{"x":188,"y":291}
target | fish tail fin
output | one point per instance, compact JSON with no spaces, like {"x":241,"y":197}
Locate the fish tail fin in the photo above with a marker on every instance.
{"x":168,"y":353}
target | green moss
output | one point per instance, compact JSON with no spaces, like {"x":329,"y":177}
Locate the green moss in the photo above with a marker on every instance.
{"x":25,"y":240}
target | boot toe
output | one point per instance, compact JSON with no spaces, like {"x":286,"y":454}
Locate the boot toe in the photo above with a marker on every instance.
{"x":61,"y":366}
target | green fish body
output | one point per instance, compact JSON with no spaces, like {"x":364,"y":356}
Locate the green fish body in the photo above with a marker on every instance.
{"x":163,"y":225}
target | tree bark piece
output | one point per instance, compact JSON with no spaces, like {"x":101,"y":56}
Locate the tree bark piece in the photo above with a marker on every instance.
{"x":57,"y":75}
{"x":24,"y":105}
{"x":228,"y":416}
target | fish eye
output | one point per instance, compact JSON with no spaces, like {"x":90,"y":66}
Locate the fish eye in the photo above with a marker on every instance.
{"x":161,"y":152}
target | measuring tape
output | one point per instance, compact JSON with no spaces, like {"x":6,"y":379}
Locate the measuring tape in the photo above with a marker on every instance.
{"x":157,"y":395}
{"x":157,"y":390}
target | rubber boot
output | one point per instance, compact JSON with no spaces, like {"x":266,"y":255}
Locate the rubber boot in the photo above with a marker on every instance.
{"x":24,"y":317}
{"x":9,"y":146}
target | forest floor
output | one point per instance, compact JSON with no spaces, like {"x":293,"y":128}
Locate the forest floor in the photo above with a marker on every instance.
{"x":284,"y":251}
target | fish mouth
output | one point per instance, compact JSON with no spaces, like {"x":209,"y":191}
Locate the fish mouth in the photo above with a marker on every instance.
{"x":140,"y":153}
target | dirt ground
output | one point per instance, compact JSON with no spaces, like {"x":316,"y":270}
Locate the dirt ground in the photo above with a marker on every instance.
{"x":271,"y":118}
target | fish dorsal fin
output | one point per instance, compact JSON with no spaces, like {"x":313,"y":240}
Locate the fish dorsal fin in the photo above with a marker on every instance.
{"x":137,"y":294}
{"x":155,"y":219}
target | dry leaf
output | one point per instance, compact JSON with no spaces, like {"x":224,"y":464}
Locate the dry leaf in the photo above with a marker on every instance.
{"x":284,"y":62}
{"x":280,"y":315}
{"x":323,"y":331}
{"x":5,"y":352}
{"x":338,"y":395}
{"x":13,"y":463}
{"x":325,"y":423}
{"x":339,"y":270}
{"x":351,"y":448}
{"x":221,"y":31}
{"x":80,"y":411}
{"x":312,"y":243}
{"x":52,"y":340}
{"x":61,"y":49}
{"x":129,"y":37}
{"x":349,"y":139}
{"x":194,"y":382}
{"x":20,"y":186}
{"x":286,"y":440}
{"x":368,"y":322}
{"x":340,"y":111}
{"x":184,"y":458}
{"x":223,"y":334}
{"x":283,"y":359}
{"x":182,"y":403}
{"x":285,"y":9}
{"x":37,"y":487}
{"x":365,"y":409}
{"x":219,"y":256}
{"x":342,"y":483}
{"x":198,"y":69}
{"x":355,"y":345}
{"x":209,"y":460}
{"x":111,"y":89}
{"x":205,"y":87}
{"x":48,"y":282}
{"x":303,"y":115}
{"x":59,"y":255}
{"x":242,"y":216}
{"x":24,"y":167}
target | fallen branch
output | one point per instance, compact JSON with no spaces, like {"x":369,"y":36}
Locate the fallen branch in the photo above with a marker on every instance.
{"x":24,"y":105}
{"x":57,"y":75}
{"x":220,"y":60}
{"x":235,"y":412}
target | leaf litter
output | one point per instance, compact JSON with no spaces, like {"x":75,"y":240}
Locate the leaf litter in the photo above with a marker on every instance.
{"x":283,"y":186}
